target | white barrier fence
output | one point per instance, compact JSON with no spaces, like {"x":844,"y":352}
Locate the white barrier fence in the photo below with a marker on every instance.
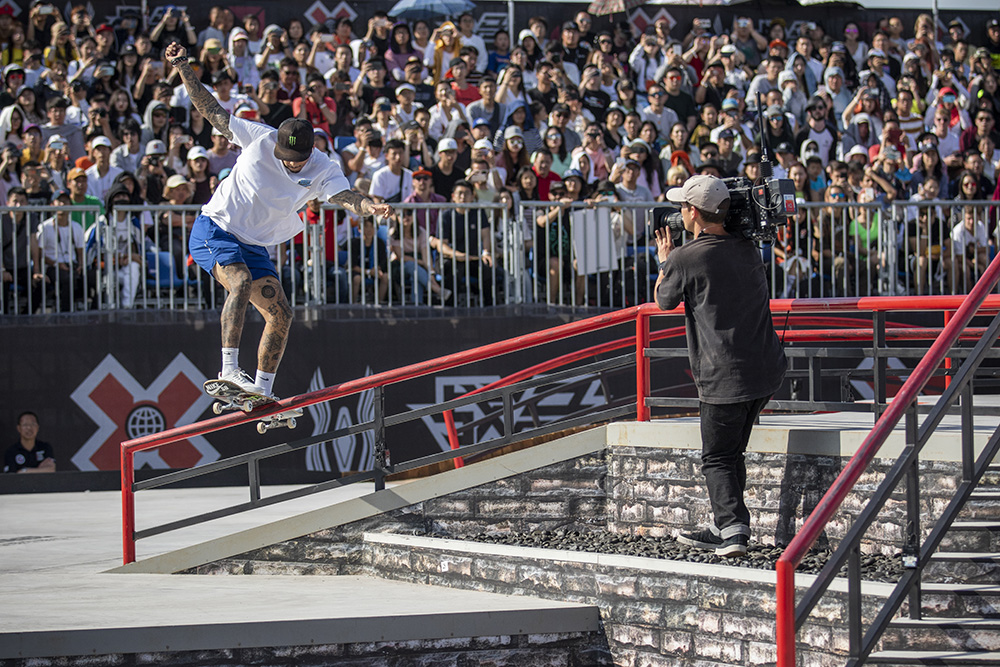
{"x":585,"y":254}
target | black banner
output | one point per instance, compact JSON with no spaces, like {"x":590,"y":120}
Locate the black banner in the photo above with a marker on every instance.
{"x":97,"y":380}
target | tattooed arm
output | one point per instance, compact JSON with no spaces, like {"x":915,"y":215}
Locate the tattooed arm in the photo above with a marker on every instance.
{"x":201,"y":98}
{"x":360,"y":204}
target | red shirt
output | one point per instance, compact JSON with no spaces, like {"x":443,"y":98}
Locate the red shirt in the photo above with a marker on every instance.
{"x":313,"y":115}
{"x":330,"y":232}
{"x":467,"y":96}
{"x":545,"y":183}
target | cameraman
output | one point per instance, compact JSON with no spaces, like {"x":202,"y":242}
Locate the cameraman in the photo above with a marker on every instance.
{"x":736,"y":358}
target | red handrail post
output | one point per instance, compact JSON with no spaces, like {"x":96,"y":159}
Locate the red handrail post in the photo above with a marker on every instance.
{"x":641,"y":366}
{"x":449,"y":424}
{"x":128,"y":507}
{"x":784,"y":628}
{"x":947,"y":360}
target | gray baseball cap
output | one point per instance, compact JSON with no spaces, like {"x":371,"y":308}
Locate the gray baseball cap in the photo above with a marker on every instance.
{"x":704,"y":192}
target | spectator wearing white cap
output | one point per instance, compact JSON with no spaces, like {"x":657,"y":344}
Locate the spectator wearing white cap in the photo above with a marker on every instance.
{"x":102,"y":174}
{"x":406,"y":107}
{"x":241,"y":59}
{"x":833,"y":78}
{"x":732,"y":60}
{"x":154,"y":170}
{"x":199,"y":174}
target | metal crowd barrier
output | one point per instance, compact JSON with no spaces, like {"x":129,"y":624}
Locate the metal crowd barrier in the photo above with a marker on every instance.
{"x":481,"y":254}
{"x":43,"y":261}
{"x":828,"y":251}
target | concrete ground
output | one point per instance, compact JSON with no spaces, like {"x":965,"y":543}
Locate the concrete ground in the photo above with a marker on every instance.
{"x":58,"y":600}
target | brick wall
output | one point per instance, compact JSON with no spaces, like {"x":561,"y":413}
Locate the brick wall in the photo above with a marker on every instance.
{"x":652,"y":616}
{"x":653,"y":491}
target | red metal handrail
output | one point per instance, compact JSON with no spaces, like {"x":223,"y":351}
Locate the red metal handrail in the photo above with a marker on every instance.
{"x":639,"y":314}
{"x":130,"y":447}
{"x":848,"y":477}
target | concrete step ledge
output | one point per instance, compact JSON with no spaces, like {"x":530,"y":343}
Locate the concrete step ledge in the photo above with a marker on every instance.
{"x":682,"y":568}
{"x":112,"y":615}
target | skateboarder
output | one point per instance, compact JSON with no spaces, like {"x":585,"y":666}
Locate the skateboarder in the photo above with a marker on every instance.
{"x":276,"y":173}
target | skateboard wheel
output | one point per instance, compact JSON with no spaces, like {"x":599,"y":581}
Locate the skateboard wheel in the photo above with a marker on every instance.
{"x":291,"y":423}
{"x":247,"y":406}
{"x":261,"y":428}
{"x":217,"y":408}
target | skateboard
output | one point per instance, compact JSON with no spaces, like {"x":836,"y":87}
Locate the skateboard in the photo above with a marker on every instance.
{"x":228,"y":398}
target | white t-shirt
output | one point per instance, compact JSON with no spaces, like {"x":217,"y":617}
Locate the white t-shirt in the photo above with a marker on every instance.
{"x":963,"y":237}
{"x":258,"y":202}
{"x":97,"y":185}
{"x":385,"y":184}
{"x":59,"y":243}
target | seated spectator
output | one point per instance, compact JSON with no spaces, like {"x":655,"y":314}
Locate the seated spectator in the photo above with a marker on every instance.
{"x":60,"y":245}
{"x":971,"y":242}
{"x":369,"y":259}
{"x":411,"y":247}
{"x":28,"y":454}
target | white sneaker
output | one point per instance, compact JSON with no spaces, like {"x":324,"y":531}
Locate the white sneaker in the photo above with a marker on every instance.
{"x":232,"y":383}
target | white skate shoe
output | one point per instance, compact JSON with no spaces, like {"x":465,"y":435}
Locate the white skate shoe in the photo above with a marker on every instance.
{"x":234,"y":383}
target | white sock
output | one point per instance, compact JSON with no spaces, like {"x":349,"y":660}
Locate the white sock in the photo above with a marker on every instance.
{"x":230,"y":359}
{"x":264,"y":380}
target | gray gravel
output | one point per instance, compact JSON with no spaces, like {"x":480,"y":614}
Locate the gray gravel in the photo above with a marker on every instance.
{"x":873,"y":568}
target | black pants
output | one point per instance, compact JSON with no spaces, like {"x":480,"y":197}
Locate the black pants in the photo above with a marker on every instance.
{"x":725,"y":432}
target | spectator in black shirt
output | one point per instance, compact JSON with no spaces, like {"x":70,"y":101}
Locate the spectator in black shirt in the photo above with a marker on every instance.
{"x":444,"y":173}
{"x":544,"y":91}
{"x":372,"y":84}
{"x":174,"y":26}
{"x":571,"y":50}
{"x":595,"y":100}
{"x":272,"y":111}
{"x":29,"y":454}
{"x":677,"y":99}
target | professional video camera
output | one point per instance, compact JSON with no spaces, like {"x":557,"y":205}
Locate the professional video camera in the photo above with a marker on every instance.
{"x":756,"y":209}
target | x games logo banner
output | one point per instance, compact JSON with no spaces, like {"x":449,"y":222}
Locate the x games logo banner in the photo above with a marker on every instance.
{"x":123,"y":409}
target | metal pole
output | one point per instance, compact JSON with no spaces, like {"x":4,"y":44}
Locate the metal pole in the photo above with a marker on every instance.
{"x":510,"y":17}
{"x":934,"y":11}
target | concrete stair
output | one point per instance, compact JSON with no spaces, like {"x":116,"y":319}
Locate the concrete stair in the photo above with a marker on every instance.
{"x":934,"y":658}
{"x":960,"y":601}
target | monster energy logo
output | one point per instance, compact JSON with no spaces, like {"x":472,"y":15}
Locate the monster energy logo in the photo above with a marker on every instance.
{"x":291,"y":141}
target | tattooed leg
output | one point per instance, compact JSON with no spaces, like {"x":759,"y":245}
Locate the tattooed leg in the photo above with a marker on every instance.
{"x":269,"y":299}
{"x":237,"y":281}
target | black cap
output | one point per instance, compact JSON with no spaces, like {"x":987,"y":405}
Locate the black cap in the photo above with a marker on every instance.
{"x":295,"y":140}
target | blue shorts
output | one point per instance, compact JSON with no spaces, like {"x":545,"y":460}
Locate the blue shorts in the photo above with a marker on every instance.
{"x":210,"y":245}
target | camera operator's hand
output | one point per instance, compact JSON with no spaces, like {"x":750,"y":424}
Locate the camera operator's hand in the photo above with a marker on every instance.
{"x":664,"y":243}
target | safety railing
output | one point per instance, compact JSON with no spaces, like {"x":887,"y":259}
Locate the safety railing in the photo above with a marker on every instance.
{"x":595,"y":254}
{"x":377,"y":383}
{"x":640,"y":356}
{"x":791,"y":617}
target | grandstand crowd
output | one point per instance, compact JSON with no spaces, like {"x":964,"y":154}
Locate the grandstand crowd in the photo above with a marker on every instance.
{"x":425,"y":111}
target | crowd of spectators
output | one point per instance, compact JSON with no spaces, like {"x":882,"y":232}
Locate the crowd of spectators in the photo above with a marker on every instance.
{"x":433,"y":112}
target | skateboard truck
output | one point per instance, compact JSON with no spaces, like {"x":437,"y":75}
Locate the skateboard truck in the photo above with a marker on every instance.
{"x":247,"y":403}
{"x":286,"y":418}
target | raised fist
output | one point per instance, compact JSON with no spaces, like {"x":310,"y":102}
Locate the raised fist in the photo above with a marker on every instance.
{"x":173,"y":51}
